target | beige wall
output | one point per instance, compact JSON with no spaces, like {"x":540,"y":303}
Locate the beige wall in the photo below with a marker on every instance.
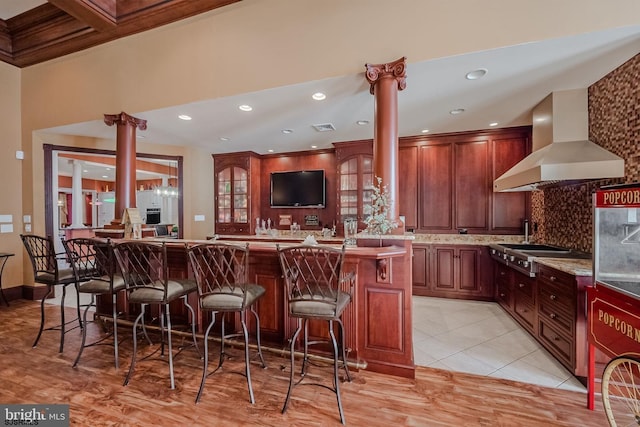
{"x":255,"y":45}
{"x":10,"y":171}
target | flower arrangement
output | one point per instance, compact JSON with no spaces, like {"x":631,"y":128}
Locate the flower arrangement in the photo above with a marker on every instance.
{"x":379,"y":222}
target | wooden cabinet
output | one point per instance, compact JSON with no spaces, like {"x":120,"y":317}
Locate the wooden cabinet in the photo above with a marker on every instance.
{"x":355,"y":181}
{"x":237,"y":192}
{"x":551,"y":306}
{"x":452,"y":271}
{"x":508,"y":210}
{"x":562,"y":317}
{"x":450,"y":188}
{"x":524,"y":301}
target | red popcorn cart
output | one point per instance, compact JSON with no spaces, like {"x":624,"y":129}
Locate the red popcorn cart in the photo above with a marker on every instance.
{"x":613,"y":302}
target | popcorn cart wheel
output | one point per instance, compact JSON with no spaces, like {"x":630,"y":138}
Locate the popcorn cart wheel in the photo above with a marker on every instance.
{"x":621,"y":390}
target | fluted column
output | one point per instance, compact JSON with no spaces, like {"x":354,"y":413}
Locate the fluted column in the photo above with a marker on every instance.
{"x":125,"y":191}
{"x":77,"y":199}
{"x":385,"y":81}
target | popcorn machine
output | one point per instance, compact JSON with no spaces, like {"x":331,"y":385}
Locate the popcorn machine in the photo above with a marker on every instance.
{"x":614,"y":302}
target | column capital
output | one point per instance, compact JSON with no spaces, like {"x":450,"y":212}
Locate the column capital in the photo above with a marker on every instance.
{"x":124,"y":118}
{"x":395,"y":69}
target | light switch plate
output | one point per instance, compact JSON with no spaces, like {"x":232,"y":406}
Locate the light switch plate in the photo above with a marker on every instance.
{"x":198,"y":218}
{"x":6,"y":228}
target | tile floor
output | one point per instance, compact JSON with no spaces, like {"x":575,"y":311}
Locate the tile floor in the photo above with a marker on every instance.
{"x":481,"y":338}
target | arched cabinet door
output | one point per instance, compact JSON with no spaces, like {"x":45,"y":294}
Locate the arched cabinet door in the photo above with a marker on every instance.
{"x":355,"y":182}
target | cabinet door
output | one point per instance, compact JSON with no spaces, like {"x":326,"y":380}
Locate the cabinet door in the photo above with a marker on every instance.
{"x":355,"y":188}
{"x":436,"y":187}
{"x":444,"y":268}
{"x":468,"y":269}
{"x":471,"y":185}
{"x":420,"y":269}
{"x":408,"y":186}
{"x":232,"y":200}
{"x":510,"y":208}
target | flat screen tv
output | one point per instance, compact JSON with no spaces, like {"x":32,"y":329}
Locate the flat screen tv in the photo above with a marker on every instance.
{"x":298,"y":189}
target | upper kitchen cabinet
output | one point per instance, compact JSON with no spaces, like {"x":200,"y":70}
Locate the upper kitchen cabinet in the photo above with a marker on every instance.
{"x":237,"y":194}
{"x":453,"y":180}
{"x":355,"y":181}
{"x":510,"y":209}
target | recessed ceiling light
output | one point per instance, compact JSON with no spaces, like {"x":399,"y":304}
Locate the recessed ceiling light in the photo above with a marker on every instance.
{"x":108,"y":169}
{"x":224,"y":138}
{"x":314,"y":146}
{"x":493,"y":124}
{"x":318,"y":96}
{"x":541,"y":119}
{"x":245,"y":107}
{"x":105,"y":176}
{"x":142,"y":136}
{"x":84,"y":170}
{"x":362,"y":122}
{"x":457,"y":111}
{"x":270,"y":151}
{"x":476,"y":74}
{"x":287,"y":131}
{"x":425,"y":131}
{"x":184,"y":117}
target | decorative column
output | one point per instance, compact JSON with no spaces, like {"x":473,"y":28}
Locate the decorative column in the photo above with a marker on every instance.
{"x":77,"y":200}
{"x":385,"y":81}
{"x":125,"y":191}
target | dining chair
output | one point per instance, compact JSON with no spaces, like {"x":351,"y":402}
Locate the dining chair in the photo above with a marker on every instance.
{"x":316,"y":289}
{"x":47,"y":271}
{"x":221,"y":271}
{"x":94,"y":263}
{"x":146,"y":276}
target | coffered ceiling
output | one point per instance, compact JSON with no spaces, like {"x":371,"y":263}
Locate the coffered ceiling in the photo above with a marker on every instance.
{"x":33,"y":31}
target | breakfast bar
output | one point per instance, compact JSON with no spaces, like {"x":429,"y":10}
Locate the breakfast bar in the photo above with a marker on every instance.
{"x":377,"y":323}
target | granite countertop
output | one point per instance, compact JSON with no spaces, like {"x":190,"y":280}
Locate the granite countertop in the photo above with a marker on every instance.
{"x":577,"y":267}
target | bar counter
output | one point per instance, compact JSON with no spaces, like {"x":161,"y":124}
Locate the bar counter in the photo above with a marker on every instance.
{"x":377,"y":322}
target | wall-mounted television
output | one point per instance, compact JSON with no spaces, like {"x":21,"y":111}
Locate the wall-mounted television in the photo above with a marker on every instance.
{"x":298,"y":189}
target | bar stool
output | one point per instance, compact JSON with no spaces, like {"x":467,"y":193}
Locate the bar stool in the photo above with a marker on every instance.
{"x":44,"y":261}
{"x":146,"y":276}
{"x":221,"y":272}
{"x":95,"y":265}
{"x":316,"y":289}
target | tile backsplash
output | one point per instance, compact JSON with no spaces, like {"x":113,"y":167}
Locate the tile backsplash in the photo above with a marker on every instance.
{"x":563,"y":214}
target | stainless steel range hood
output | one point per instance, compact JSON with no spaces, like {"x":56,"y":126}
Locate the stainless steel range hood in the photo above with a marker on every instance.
{"x":561,"y":148}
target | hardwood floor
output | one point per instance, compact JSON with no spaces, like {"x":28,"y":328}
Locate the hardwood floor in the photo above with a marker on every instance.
{"x":96,"y":396}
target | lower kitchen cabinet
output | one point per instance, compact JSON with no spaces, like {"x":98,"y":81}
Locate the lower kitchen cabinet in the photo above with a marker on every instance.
{"x":452,"y":271}
{"x":551,"y":306}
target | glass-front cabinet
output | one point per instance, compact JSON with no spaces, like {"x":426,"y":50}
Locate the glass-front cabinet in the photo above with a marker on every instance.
{"x":234,"y":192}
{"x":355,"y":182}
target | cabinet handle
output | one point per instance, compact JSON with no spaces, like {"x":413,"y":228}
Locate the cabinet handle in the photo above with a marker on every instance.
{"x":556,"y":338}
{"x":502,"y":273}
{"x":501,"y":295}
{"x":553,"y":297}
{"x":521,"y":285}
{"x":553,"y":315}
{"x":552,"y":278}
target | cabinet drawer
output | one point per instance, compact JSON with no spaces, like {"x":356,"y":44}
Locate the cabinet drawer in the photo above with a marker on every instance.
{"x":561,"y":281}
{"x":503,"y":294}
{"x":558,"y":301}
{"x":557,"y":343}
{"x":525,"y":311}
{"x":525,"y":285}
{"x":557,"y":312}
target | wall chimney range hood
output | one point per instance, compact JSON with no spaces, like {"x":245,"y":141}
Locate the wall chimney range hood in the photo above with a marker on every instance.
{"x":561,"y":148}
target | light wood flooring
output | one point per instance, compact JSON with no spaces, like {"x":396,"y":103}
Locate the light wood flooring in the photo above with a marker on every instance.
{"x":97,"y":398}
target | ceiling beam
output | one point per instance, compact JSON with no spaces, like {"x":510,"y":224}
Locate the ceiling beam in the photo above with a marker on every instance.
{"x":98,"y":14}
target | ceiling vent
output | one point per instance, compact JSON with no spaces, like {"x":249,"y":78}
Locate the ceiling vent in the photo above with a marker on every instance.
{"x":324,"y":127}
